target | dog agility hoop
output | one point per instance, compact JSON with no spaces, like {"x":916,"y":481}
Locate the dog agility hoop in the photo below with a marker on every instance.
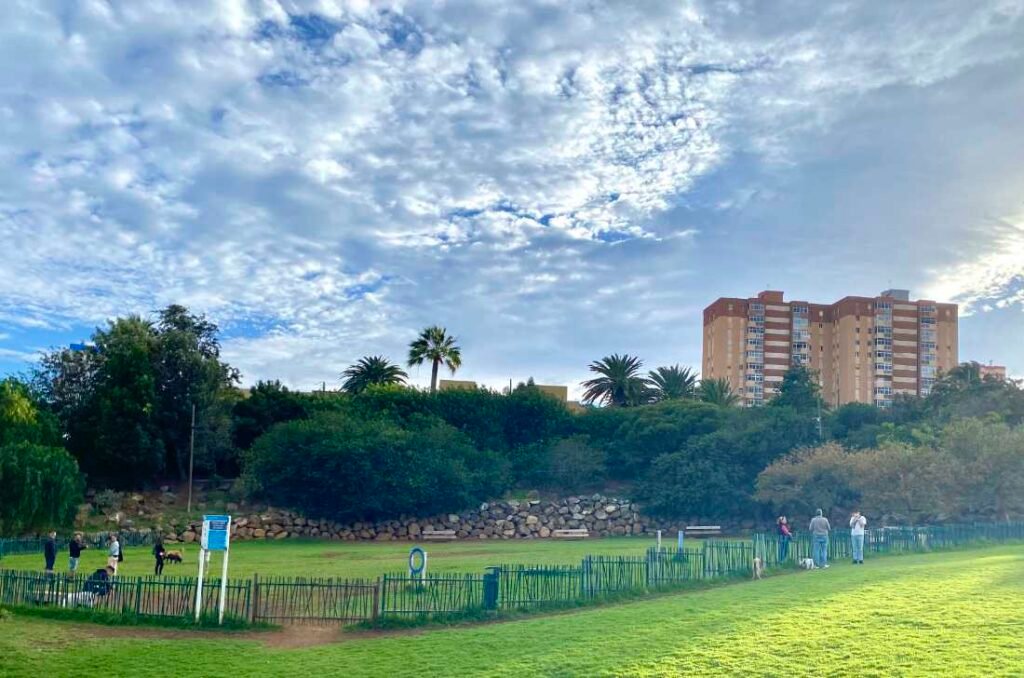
{"x":417,"y":563}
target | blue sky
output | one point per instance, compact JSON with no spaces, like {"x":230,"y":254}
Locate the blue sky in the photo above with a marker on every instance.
{"x":552,"y":181}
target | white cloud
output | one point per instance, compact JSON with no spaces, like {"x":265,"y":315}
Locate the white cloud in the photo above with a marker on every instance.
{"x":324,"y":177}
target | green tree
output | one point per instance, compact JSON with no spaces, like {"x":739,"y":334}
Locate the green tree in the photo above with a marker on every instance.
{"x":42,"y":488}
{"x":21,"y":418}
{"x":189,"y":373}
{"x":435,"y":346}
{"x":808,"y":479}
{"x":799,"y":390}
{"x":356,"y":468}
{"x":672,"y":383}
{"x":369,"y":371}
{"x":123,"y":444}
{"x":904,"y":483}
{"x":989,"y":473}
{"x":619,"y":383}
{"x":717,"y":392}
{"x":268,"y":403}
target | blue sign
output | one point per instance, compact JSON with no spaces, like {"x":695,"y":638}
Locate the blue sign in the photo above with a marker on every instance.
{"x":215,"y":533}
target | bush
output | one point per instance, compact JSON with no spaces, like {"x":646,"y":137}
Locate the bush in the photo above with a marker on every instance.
{"x":682,"y":485}
{"x":42,"y":488}
{"x":808,"y":479}
{"x":573,"y":464}
{"x":342,"y":467}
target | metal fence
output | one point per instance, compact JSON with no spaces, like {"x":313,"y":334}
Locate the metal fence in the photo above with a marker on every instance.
{"x":505,"y":587}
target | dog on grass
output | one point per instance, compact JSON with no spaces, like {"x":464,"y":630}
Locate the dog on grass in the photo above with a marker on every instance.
{"x":808,"y":564}
{"x":758,"y":568}
{"x":173,"y":556}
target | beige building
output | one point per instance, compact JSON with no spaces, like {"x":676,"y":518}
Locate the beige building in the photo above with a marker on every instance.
{"x":994,"y":371}
{"x":863,"y":349}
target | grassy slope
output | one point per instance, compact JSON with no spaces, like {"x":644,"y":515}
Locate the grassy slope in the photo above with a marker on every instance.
{"x":954,"y":613}
{"x":357,"y":559}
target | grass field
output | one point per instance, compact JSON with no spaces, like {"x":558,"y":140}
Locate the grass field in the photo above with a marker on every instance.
{"x":316,"y":558}
{"x":956,"y":613}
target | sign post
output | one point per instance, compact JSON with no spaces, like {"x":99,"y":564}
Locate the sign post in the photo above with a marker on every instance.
{"x":216,"y":537}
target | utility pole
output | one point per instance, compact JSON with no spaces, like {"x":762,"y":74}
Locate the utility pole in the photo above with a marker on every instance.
{"x":191,"y":456}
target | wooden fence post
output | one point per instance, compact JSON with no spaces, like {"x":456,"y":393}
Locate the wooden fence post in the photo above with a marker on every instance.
{"x":254,"y":598}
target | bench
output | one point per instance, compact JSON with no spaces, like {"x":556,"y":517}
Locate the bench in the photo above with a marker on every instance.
{"x":571,"y":533}
{"x":439,"y":535}
{"x":703,"y":530}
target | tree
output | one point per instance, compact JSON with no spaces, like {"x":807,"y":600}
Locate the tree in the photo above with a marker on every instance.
{"x":435,"y":346}
{"x":373,"y":370}
{"x":989,"y":457}
{"x":619,"y":383}
{"x":717,"y":392}
{"x":122,"y":445}
{"x":21,"y":418}
{"x":189,"y":373}
{"x":904,"y":483}
{"x":357,"y":468}
{"x":799,"y":390}
{"x":42,"y":488}
{"x":672,"y":383}
{"x":268,"y":403}
{"x":808,"y":479}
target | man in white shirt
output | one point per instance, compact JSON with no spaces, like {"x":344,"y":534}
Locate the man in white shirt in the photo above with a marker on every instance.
{"x":857,"y":525}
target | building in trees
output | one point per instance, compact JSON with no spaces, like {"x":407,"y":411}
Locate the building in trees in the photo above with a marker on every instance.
{"x":863,"y":349}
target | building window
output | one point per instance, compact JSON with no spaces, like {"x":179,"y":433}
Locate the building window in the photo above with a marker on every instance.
{"x":799,"y":309}
{"x":884,"y":355}
{"x":754,"y":342}
{"x":756,"y":306}
{"x":757,"y":318}
{"x":925,"y":320}
{"x":883,"y":341}
{"x":799,"y":322}
{"x":883,"y":390}
{"x":927,"y":309}
{"x":883,"y":368}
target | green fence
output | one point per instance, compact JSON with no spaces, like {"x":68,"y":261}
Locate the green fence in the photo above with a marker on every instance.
{"x":887,"y":540}
{"x":504,"y":587}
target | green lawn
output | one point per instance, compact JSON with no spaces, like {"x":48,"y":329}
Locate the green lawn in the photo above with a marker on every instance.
{"x":314,"y":558}
{"x":954,"y":614}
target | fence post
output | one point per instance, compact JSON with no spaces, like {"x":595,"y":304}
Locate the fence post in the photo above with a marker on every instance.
{"x":491,"y":579}
{"x":138,"y":596}
{"x":382,"y":596}
{"x":254,"y":598}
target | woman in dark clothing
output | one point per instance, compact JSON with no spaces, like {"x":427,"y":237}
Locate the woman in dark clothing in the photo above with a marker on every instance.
{"x":158,"y":553}
{"x":785,"y":536}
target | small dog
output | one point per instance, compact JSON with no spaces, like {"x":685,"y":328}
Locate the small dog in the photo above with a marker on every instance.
{"x":808,"y":564}
{"x":758,"y":568}
{"x":173,"y":556}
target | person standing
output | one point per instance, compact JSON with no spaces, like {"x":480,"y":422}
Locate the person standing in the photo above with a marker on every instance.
{"x":75,"y":549}
{"x":819,"y":533}
{"x":50,"y":551}
{"x":857,"y":525}
{"x":785,"y":536}
{"x":113,"y":552}
{"x":158,"y":553}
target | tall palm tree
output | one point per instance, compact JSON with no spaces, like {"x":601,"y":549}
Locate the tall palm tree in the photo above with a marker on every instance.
{"x":717,"y":392}
{"x":672,"y":383}
{"x":435,"y":346}
{"x":619,"y":383}
{"x":369,"y":371}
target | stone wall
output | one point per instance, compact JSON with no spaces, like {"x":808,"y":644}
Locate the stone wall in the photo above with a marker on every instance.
{"x":602,"y":516}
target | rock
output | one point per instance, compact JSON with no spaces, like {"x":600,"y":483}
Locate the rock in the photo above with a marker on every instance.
{"x":545,"y":532}
{"x":281,"y":535}
{"x":453,"y":518}
{"x":532,"y":520}
{"x":259,"y":533}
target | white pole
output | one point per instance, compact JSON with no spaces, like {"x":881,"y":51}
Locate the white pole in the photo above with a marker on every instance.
{"x":423,"y":572}
{"x":659,"y":540}
{"x":199,"y":586}
{"x":224,"y":573}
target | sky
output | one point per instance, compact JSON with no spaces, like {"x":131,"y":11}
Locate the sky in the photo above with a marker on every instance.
{"x":552,"y":181}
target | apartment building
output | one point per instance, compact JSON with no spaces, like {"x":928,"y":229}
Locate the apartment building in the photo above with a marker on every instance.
{"x":863,"y":349}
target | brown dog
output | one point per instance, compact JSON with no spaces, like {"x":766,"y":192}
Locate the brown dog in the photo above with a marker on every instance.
{"x":173,"y":556}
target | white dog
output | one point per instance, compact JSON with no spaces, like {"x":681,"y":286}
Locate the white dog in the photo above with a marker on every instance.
{"x":758,"y":568}
{"x":808,"y":564}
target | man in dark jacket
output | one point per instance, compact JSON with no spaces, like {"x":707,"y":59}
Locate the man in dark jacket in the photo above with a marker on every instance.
{"x":75,"y":549}
{"x":50,"y":551}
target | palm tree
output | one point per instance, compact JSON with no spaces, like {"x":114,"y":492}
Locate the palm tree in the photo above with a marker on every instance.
{"x":717,"y":392}
{"x":672,"y":383}
{"x":620,"y":383}
{"x":435,"y":346}
{"x":369,"y":371}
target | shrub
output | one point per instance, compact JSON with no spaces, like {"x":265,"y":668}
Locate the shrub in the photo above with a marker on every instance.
{"x":819,"y":477}
{"x":346,"y":468}
{"x":573,"y":464}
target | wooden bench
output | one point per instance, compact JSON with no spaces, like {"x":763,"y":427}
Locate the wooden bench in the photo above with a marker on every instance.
{"x":439,"y":535}
{"x":703,"y":530}
{"x":573,"y":533}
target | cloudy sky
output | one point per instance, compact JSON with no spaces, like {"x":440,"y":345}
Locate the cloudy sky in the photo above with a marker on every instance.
{"x":552,"y":180}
